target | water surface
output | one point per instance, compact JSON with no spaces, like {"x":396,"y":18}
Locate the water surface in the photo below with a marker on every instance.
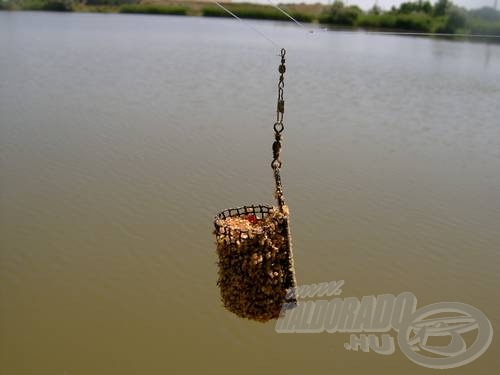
{"x":122,"y":135}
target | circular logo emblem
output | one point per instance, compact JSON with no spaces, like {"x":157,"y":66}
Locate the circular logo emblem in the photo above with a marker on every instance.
{"x":453,"y":320}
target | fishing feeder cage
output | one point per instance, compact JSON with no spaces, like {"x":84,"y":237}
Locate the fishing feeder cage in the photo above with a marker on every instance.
{"x":256,"y":269}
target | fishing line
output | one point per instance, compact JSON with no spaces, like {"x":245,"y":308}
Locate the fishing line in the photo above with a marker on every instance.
{"x":403,"y":33}
{"x":289,"y":16}
{"x":409,"y":33}
{"x":248,"y":25}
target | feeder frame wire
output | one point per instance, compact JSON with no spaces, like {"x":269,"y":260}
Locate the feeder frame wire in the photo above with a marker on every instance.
{"x":278,"y":130}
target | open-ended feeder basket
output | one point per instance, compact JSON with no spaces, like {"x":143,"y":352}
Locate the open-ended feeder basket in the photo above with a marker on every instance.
{"x":256,"y":270}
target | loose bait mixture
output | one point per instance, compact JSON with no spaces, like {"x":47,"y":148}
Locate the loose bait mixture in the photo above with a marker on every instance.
{"x":254,"y":262}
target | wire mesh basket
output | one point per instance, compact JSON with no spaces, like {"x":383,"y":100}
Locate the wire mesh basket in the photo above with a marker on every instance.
{"x":256,"y":271}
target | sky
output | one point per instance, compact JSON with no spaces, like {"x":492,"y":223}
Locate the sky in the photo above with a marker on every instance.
{"x":386,"y":4}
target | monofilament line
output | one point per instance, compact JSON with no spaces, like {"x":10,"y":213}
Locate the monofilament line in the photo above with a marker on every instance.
{"x":486,"y":36}
{"x":396,"y":32}
{"x":248,"y":25}
{"x":432,"y":34}
{"x":288,"y":15}
{"x":393,"y":32}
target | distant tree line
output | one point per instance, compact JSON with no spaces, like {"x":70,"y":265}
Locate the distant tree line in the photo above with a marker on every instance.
{"x":441,"y":16}
{"x":46,"y":5}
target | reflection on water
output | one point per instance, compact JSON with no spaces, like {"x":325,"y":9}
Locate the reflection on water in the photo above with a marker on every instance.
{"x":487,"y":56}
{"x":121,"y":136}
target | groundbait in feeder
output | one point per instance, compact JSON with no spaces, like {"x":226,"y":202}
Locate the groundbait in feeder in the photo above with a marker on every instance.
{"x":254,"y":246}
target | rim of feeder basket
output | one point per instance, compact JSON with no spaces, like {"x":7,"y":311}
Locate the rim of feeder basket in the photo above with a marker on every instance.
{"x":261,"y":211}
